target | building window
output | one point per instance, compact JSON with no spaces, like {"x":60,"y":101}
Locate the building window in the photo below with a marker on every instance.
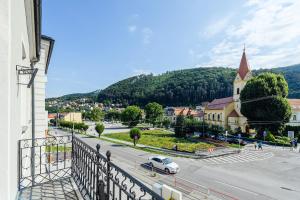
{"x":294,"y":118}
{"x":208,"y":116}
{"x":238,"y":90}
{"x":218,"y":117}
{"x":213,"y":117}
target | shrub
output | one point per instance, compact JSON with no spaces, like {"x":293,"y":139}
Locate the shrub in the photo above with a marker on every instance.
{"x":270,"y":137}
{"x":135,"y":134}
{"x":99,"y":128}
{"x":77,"y":126}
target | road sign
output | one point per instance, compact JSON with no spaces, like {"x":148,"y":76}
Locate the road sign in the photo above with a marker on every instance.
{"x":291,"y":134}
{"x":265,"y":133}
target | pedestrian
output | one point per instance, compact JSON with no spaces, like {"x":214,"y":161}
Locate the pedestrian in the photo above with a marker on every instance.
{"x":260,"y":145}
{"x":255,"y":145}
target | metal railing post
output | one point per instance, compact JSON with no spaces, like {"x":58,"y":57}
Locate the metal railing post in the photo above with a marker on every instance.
{"x":108,"y":154}
{"x":98,"y":189}
{"x":19,"y":164}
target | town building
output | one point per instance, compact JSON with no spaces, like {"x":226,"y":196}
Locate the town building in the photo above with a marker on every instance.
{"x":172,"y":113}
{"x":71,"y":117}
{"x":226,"y":112}
{"x":295,"y":118}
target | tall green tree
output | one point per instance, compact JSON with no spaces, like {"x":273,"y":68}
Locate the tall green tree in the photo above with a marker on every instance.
{"x":113,"y":115}
{"x":96,"y":115}
{"x":154,"y":113}
{"x":179,"y":126}
{"x":131,"y":116}
{"x":264,"y":102}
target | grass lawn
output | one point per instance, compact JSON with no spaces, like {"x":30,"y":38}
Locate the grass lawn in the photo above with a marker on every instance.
{"x":163,"y":139}
{"x":60,"y":149}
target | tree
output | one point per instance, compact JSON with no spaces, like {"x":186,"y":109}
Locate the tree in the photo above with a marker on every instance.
{"x":154,"y":112}
{"x":131,"y":116}
{"x":99,"y":128}
{"x":166,"y":123}
{"x":179,"y":126}
{"x":264,"y":103}
{"x":96,"y":115}
{"x":113,"y":115}
{"x":135,"y":134}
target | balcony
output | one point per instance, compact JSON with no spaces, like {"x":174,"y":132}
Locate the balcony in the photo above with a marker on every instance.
{"x":65,"y":167}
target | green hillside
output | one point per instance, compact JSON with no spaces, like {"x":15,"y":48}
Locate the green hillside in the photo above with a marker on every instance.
{"x":182,"y":87}
{"x":186,"y":87}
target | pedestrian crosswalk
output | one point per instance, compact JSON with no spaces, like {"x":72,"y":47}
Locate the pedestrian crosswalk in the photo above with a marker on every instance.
{"x":291,"y":149}
{"x":244,"y":156}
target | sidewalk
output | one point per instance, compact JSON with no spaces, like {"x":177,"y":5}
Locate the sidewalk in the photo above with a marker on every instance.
{"x":198,"y":155}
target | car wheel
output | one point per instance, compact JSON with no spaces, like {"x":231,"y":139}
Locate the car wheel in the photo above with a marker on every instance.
{"x":167,"y":171}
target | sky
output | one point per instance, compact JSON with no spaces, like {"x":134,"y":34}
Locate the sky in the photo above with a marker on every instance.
{"x":100,"y":42}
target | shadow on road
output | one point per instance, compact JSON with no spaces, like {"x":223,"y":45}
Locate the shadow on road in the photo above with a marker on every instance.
{"x":148,"y":167}
{"x":118,"y":145}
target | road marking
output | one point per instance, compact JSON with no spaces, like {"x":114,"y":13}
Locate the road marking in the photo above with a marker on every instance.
{"x":236,"y":187}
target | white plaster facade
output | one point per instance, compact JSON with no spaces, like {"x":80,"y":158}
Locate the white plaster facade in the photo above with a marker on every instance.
{"x":19,"y":45}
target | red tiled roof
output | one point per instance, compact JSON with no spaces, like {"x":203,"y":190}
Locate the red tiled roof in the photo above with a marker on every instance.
{"x":197,"y":114}
{"x":244,"y":67}
{"x":51,"y":115}
{"x":294,"y":103}
{"x":219,"y":104}
{"x":233,"y":114}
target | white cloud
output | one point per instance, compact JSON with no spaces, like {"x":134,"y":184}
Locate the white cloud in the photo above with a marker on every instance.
{"x":132,"y":28}
{"x":147,"y":34}
{"x":216,"y":27}
{"x":270,"y":30}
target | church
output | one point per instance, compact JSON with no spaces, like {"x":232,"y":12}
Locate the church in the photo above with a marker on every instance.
{"x":225,"y":112}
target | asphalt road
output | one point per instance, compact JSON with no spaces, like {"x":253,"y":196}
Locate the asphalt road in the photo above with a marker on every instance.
{"x":276,"y":177}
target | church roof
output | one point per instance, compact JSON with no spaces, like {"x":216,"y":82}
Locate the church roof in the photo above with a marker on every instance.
{"x":219,"y":104}
{"x":244,"y":66}
{"x":294,"y":103}
{"x":233,"y":114}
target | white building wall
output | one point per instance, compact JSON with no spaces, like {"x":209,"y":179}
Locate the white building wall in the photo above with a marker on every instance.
{"x":15,"y":100}
{"x":41,"y":115}
{"x":292,"y":121}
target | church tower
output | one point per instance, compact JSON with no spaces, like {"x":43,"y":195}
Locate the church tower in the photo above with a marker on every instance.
{"x":242,"y":76}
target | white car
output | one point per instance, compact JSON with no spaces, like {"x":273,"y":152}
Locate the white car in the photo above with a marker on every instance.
{"x":163,"y":163}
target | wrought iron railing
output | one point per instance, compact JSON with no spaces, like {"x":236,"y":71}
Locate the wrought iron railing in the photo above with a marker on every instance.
{"x":43,"y":159}
{"x":46,"y":159}
{"x":99,"y":178}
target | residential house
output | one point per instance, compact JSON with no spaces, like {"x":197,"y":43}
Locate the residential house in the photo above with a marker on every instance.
{"x":173,"y":112}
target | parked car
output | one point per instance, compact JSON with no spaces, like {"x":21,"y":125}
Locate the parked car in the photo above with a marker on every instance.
{"x":164,"y":163}
{"x":221,"y":138}
{"x":236,"y":141}
{"x":145,"y":128}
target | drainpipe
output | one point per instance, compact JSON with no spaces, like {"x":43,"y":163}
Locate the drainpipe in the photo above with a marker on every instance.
{"x":33,"y":130}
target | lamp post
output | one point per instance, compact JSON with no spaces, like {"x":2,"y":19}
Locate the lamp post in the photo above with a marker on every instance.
{"x":203,"y":123}
{"x":73,"y":123}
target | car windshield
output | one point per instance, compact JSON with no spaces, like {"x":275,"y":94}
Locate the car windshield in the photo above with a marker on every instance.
{"x":167,"y":160}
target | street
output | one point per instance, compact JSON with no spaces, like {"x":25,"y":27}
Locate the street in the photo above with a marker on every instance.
{"x":268,"y":174}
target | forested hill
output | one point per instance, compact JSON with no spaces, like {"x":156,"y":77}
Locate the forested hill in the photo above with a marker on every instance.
{"x":187,"y":87}
{"x":183,"y":87}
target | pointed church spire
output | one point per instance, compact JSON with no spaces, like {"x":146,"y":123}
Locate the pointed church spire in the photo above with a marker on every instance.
{"x":244,"y":67}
